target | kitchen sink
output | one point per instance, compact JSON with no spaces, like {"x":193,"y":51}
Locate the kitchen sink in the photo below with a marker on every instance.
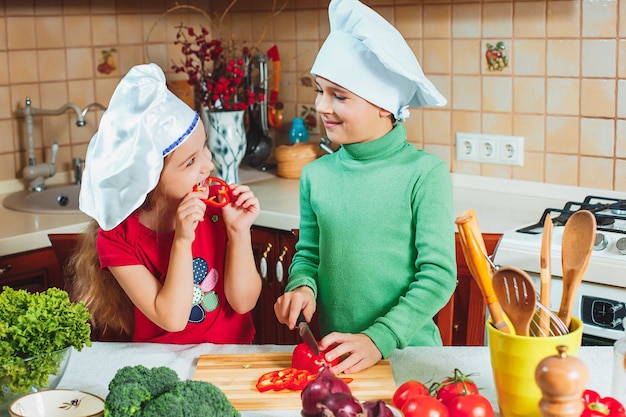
{"x":56,"y":199}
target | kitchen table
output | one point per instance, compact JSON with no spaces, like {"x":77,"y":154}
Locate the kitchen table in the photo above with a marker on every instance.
{"x":92,"y":368}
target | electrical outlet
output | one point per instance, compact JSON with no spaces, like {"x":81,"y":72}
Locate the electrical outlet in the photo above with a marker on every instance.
{"x":512,"y":150}
{"x":490,"y":149}
{"x":467,"y":147}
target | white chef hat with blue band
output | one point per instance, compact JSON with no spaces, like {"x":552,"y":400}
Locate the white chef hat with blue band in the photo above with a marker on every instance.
{"x":366,"y":55}
{"x":143,"y":123}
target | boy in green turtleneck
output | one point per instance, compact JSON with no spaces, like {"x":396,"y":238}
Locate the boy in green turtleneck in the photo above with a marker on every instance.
{"x":376,"y":253}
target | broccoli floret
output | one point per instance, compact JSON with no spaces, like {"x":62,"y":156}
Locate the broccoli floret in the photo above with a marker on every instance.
{"x":136,"y":391}
{"x":133,"y":386}
{"x":191,"y":399}
{"x":126,"y":400}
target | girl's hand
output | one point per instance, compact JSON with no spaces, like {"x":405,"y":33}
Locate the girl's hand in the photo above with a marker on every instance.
{"x":190,"y":211}
{"x":243,"y":210}
{"x":359,"y":351}
{"x":289,"y":305}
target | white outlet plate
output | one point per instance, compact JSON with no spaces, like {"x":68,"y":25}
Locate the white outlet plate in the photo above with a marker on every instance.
{"x":490,"y":149}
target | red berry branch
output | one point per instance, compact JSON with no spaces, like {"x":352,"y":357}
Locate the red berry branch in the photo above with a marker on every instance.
{"x":218,"y":81}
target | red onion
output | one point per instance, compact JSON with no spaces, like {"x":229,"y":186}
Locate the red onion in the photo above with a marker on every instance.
{"x":377,"y":409}
{"x":342,"y":404}
{"x":316,"y":392}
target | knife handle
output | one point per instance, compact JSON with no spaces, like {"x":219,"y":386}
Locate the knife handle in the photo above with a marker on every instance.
{"x":300,"y":319}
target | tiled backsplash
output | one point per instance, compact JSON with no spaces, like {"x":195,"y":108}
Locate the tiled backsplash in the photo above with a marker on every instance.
{"x":564,"y":88}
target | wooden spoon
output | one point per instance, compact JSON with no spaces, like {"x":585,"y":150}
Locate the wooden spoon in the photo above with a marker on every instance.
{"x":517,"y":296}
{"x":545,"y":275}
{"x":579,"y":235}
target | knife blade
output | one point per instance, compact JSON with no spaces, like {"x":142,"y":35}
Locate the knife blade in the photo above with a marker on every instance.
{"x":307,"y":335}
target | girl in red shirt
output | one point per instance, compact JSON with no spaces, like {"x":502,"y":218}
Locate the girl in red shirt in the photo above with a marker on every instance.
{"x":158,"y":264}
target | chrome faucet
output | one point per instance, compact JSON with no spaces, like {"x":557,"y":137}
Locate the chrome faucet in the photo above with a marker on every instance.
{"x":34,"y":172}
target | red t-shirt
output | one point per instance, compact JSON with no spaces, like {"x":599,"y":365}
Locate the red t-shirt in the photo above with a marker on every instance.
{"x":211,"y":318}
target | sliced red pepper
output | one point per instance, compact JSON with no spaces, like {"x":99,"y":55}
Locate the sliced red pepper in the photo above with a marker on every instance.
{"x":300,"y":380}
{"x":276,"y":380}
{"x":596,"y":406}
{"x":219,"y":194}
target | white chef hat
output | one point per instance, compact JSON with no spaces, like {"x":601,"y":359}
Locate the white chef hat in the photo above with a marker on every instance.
{"x":143,"y":123}
{"x":365,"y":54}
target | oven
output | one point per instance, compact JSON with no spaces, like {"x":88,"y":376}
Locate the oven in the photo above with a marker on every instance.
{"x":600,"y":302}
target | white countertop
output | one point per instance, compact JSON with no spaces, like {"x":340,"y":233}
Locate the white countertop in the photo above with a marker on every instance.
{"x":499,"y":204}
{"x":426,"y":364}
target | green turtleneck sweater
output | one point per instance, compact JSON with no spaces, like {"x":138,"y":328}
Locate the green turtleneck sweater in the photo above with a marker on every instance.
{"x":376,"y":241}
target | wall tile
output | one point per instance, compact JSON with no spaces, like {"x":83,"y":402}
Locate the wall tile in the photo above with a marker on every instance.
{"x":621,"y":98}
{"x":562,"y":96}
{"x":596,"y":172}
{"x":563,"y":19}
{"x":466,"y":21}
{"x":529,"y":95}
{"x":3,"y":34}
{"x":437,"y":21}
{"x":21,"y":33}
{"x":466,"y":56}
{"x":529,"y":19}
{"x":597,"y":97}
{"x":620,"y":175}
{"x":533,"y":169}
{"x":104,"y":30}
{"x":497,"y":123}
{"x":307,"y":25}
{"x":80,"y":63}
{"x":52,"y":66}
{"x":439,"y":131}
{"x":7,"y":145}
{"x":620,"y":139}
{"x":621,"y":58}
{"x":4,"y":63}
{"x":409,"y":21}
{"x":497,"y":20}
{"x":599,"y":18}
{"x":438,"y":53}
{"x":563,"y":57}
{"x":598,"y":58}
{"x":597,"y":137}
{"x":497,"y":94}
{"x":532,"y":128}
{"x":562,"y":169}
{"x":49,"y":31}
{"x":129,"y":31}
{"x":77,"y":30}
{"x":562,"y":134}
{"x":529,"y":57}
{"x":23,"y":66}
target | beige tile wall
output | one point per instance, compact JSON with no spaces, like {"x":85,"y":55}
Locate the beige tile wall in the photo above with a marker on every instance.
{"x":564,"y":90}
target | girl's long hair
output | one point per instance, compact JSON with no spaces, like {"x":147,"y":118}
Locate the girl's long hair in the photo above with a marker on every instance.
{"x":112,"y":312}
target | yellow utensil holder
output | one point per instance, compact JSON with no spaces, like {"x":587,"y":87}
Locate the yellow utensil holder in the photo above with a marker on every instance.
{"x":514,"y":360}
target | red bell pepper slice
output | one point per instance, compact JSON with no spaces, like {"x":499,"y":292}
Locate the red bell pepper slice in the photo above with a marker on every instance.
{"x":275,"y":380}
{"x":596,"y":406}
{"x":219,"y":194}
{"x":300,"y":379}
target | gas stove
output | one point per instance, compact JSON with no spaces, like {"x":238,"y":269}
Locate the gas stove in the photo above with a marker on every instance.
{"x":601,"y":298}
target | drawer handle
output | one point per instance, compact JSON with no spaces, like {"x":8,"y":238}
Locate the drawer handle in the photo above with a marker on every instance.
{"x":263,"y":263}
{"x":279,"y":264}
{"x":5,"y":269}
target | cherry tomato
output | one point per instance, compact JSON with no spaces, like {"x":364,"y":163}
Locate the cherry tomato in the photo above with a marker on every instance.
{"x":303,"y":358}
{"x":454,"y":386}
{"x":408,"y":390}
{"x":424,"y":406}
{"x":474,"y":405}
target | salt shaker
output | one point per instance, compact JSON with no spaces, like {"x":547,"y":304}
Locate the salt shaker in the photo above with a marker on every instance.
{"x":562,"y":380}
{"x":619,"y":370}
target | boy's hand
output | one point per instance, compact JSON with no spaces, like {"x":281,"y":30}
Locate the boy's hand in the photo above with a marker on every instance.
{"x":358,"y":350}
{"x":289,"y":305}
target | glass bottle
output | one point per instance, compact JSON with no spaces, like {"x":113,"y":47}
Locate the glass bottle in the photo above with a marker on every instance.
{"x":619,"y":370}
{"x":298,"y":132}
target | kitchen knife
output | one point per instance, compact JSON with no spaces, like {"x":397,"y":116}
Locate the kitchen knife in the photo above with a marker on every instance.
{"x":307,"y":335}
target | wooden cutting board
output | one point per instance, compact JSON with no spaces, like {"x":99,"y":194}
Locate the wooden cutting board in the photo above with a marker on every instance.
{"x":237,"y":375}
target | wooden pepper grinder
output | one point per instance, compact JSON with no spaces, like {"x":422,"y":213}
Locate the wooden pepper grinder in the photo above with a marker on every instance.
{"x":562,"y":380}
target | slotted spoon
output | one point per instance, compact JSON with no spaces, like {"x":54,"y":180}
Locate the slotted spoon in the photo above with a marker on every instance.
{"x":517,"y":296}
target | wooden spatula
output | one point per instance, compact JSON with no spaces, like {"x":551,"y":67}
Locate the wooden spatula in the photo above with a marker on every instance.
{"x":517,"y":296}
{"x":545,"y":275}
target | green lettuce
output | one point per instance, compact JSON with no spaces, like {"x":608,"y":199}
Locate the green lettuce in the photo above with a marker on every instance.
{"x":33,"y":324}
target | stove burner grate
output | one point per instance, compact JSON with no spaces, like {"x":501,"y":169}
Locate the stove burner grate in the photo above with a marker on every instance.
{"x":606,"y":210}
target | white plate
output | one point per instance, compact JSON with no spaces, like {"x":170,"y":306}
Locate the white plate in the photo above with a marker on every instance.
{"x":58,"y":403}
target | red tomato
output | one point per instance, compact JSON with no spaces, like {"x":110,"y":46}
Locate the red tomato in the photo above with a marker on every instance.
{"x":424,"y":406}
{"x":451,"y":388}
{"x":408,"y":390}
{"x":474,"y":405}
{"x":303,"y":358}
